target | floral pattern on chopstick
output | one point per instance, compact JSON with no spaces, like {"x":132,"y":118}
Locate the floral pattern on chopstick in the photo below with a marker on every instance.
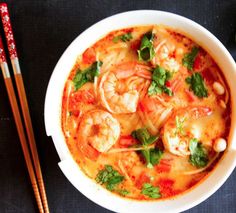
{"x":8,"y":31}
{"x":2,"y":52}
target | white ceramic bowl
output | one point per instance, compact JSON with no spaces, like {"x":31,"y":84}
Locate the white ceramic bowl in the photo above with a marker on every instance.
{"x":53,"y":109}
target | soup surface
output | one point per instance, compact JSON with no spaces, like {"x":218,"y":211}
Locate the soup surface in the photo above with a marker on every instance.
{"x":146,"y":112}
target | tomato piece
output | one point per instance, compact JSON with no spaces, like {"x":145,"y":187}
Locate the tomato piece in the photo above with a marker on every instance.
{"x":168,"y":192}
{"x":166,"y":186}
{"x":168,"y":84}
{"x":164,"y":166}
{"x":135,"y":44}
{"x":89,"y":56}
{"x":197,"y":62}
{"x":127,"y":140}
{"x":76,"y":113}
{"x":143,"y":178}
{"x":166,"y":183}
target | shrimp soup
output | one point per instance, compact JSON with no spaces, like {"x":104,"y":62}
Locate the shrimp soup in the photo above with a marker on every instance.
{"x":146,"y":112}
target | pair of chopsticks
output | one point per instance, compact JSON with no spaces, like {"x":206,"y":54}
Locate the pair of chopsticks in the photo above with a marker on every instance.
{"x":32,"y":166}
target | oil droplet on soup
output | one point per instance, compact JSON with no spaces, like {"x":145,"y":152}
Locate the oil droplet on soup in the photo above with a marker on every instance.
{"x":146,"y":112}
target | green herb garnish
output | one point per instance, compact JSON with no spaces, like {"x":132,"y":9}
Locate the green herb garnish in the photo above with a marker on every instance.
{"x":146,"y":51}
{"x":150,"y":191}
{"x":179,"y":122}
{"x":122,"y":192}
{"x":152,"y":156}
{"x":198,"y":155}
{"x":124,"y":37}
{"x":155,"y":156}
{"x":189,"y":58}
{"x":197,"y":85}
{"x":144,"y":136}
{"x":109,"y":177}
{"x":159,"y":78}
{"x":87,"y":75}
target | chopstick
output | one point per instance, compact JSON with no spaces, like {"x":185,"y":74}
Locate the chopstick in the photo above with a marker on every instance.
{"x":19,"y":125}
{"x":23,"y":100}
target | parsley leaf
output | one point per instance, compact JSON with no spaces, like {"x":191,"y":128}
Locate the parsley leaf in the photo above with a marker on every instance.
{"x":146,"y":50}
{"x":189,"y":58}
{"x":159,"y":78}
{"x":124,"y":37}
{"x":197,"y":85}
{"x":87,"y":75}
{"x":79,"y":80}
{"x":144,"y":136}
{"x":109,"y":177}
{"x":154,"y":89}
{"x":152,"y":155}
{"x":150,"y":191}
{"x":155,"y":156}
{"x":198,"y":155}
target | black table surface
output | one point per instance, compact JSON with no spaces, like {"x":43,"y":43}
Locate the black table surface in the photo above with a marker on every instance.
{"x":43,"y":29}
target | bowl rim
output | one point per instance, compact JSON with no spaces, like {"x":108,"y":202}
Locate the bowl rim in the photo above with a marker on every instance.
{"x":68,"y":165}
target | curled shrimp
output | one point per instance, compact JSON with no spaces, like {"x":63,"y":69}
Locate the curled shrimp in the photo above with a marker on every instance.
{"x":176,"y":136}
{"x":98,"y":132}
{"x":164,"y":49}
{"x":120,"y":88}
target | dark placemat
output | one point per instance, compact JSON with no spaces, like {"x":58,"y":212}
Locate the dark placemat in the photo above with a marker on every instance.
{"x":43,"y":29}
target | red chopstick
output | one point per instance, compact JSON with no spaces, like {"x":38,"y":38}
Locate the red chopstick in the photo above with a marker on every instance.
{"x":23,"y":100}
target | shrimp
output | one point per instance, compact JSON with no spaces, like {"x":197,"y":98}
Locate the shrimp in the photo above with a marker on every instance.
{"x":120,"y":88}
{"x":176,"y":131}
{"x":98,"y":132}
{"x":164,"y":49}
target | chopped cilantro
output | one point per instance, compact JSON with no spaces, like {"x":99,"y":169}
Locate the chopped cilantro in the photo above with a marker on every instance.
{"x":124,"y":37}
{"x":87,"y":75}
{"x":198,"y":155}
{"x":109,"y":177}
{"x":159,"y":78}
{"x":155,"y":156}
{"x":189,"y":58}
{"x":146,"y":50}
{"x":197,"y":85}
{"x":150,"y":191}
{"x":79,"y":80}
{"x":151,"y":155}
{"x":154,"y":89}
{"x":144,"y":136}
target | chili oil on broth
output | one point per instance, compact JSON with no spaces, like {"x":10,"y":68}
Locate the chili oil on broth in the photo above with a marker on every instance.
{"x":180,"y":119}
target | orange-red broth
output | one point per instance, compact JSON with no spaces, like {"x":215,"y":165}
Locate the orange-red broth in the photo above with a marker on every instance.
{"x":174,"y":174}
